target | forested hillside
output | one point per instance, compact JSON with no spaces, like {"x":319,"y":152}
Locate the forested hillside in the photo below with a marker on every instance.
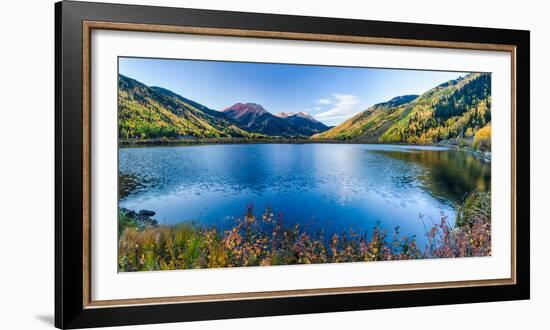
{"x":152,"y":112}
{"x":368,"y":125}
{"x":457,"y":110}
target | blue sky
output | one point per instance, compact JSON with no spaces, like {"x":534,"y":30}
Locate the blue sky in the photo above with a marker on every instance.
{"x":331,"y":94}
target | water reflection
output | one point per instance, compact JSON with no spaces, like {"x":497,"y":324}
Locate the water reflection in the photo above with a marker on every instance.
{"x":448,"y":174}
{"x":330,"y":187}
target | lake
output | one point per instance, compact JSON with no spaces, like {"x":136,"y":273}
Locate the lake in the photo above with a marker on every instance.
{"x":329,"y":187}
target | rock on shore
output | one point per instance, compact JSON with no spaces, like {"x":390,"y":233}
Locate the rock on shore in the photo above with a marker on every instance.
{"x":142,"y":218}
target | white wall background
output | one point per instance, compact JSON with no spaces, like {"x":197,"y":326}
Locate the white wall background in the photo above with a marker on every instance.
{"x":27,"y":168}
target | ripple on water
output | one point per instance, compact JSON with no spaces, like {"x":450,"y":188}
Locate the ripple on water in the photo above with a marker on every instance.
{"x":328,"y":186}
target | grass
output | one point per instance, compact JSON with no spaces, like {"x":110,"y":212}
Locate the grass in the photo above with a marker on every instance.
{"x":125,"y":222}
{"x":265,"y":240}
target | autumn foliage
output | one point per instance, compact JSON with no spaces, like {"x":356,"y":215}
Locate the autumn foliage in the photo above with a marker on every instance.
{"x":482,"y":138}
{"x":265,"y":240}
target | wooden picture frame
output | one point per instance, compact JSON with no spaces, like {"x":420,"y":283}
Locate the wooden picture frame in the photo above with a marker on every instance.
{"x":74,"y":307}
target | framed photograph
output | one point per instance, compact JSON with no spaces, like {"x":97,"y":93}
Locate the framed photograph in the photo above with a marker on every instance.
{"x":214,"y":164}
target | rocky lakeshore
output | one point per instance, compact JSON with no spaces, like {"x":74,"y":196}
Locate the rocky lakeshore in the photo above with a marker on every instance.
{"x":141,"y":219}
{"x":465,"y":144}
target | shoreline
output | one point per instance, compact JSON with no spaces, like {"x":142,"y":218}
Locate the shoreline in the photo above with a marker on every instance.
{"x":482,"y":155}
{"x":479,"y":154}
{"x":263,"y":239}
{"x":169,"y":142}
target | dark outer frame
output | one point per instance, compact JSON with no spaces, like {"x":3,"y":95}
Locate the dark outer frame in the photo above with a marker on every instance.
{"x":70,"y":307}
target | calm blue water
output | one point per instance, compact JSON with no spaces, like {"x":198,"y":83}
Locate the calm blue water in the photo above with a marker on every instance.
{"x":333,"y":187}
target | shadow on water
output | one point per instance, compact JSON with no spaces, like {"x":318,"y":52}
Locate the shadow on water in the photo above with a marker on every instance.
{"x":449,"y":174}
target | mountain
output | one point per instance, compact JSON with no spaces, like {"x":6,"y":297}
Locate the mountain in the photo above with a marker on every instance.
{"x":253,"y":117}
{"x":154,"y":112}
{"x":246,"y":114}
{"x":304,"y":122}
{"x":300,"y":114}
{"x":369,"y":125}
{"x":456,"y":109}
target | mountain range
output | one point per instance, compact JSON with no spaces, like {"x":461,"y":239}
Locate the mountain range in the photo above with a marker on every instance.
{"x":255,"y":118}
{"x":455,"y":110}
{"x":154,"y":112}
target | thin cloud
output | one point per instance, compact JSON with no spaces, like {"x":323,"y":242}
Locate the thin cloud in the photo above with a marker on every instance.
{"x":345,"y":106}
{"x":324,"y":101}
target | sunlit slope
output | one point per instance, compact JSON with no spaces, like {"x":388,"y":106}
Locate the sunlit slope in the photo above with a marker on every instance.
{"x":153,"y":112}
{"x":369,"y":125}
{"x":455,"y":109}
